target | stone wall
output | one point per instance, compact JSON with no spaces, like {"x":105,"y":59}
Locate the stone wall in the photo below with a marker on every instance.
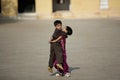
{"x":9,"y":8}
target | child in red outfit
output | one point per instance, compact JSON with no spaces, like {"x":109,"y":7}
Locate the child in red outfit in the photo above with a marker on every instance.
{"x":65,"y":72}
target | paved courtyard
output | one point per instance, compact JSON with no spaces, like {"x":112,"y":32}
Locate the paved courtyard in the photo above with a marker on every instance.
{"x":93,"y":50}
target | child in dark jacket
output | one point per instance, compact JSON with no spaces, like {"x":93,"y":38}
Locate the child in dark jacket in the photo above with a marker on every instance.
{"x":56,"y":52}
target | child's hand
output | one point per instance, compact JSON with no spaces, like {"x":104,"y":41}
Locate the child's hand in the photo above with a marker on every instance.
{"x":50,"y":41}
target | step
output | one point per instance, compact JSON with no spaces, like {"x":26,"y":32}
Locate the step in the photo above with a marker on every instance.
{"x":63,"y":14}
{"x":27,"y":16}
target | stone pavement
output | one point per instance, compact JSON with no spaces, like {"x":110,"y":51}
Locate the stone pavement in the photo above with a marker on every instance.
{"x":93,"y":50}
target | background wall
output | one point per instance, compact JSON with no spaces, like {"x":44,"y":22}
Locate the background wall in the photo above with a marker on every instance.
{"x":91,"y":9}
{"x":44,"y":8}
{"x":78,"y":9}
{"x":114,"y":10}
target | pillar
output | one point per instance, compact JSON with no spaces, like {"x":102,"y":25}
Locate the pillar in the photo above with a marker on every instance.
{"x":9,"y":8}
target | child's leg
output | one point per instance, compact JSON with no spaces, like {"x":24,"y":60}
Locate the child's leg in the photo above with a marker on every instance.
{"x":59,"y":56}
{"x":51,"y":58}
{"x":66,"y":69}
{"x":60,"y":72}
{"x":58,"y":69}
{"x":65,"y":65}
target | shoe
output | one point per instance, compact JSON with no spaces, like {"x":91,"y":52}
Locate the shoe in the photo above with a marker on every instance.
{"x":57,"y":75}
{"x":50,"y":70}
{"x":67,"y":74}
{"x":59,"y":66}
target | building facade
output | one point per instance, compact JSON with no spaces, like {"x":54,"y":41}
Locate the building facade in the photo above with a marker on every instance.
{"x":50,"y":9}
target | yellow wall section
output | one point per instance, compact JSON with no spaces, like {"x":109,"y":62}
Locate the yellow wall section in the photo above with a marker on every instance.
{"x":114,"y":8}
{"x":44,"y":8}
{"x":81,"y":6}
{"x":114,"y":4}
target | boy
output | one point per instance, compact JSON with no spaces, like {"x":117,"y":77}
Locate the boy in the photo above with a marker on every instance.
{"x":55,"y":47}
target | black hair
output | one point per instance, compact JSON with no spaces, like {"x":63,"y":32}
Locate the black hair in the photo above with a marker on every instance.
{"x":69,"y":30}
{"x":57,"y":22}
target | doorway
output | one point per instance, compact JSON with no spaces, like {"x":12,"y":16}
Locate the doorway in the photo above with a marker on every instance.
{"x":0,"y":6}
{"x":26,"y":6}
{"x":59,"y":5}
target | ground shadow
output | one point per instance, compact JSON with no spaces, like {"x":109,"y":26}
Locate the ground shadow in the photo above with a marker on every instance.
{"x":53,"y":74}
{"x":70,"y":69}
{"x":7,"y":20}
{"x":73,"y":68}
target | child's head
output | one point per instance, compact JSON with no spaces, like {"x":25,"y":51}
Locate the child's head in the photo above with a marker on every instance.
{"x":68,"y":30}
{"x":58,"y":24}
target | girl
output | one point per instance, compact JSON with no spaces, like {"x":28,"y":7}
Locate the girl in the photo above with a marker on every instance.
{"x":65,"y":72}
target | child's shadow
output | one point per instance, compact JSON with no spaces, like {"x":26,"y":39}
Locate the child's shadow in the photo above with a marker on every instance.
{"x":70,"y":69}
{"x":73,"y":68}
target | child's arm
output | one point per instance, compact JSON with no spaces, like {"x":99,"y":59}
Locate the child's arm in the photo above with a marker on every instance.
{"x":53,"y":41}
{"x":50,"y":39}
